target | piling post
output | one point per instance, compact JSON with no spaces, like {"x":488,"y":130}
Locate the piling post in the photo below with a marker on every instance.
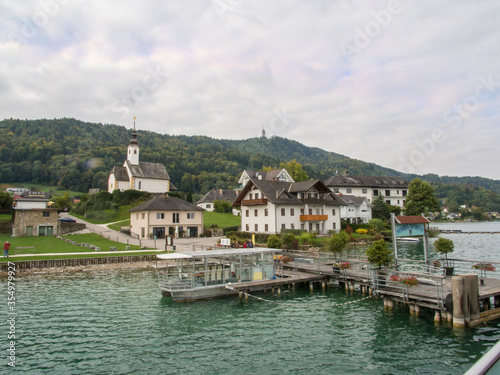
{"x":497,"y":301}
{"x":351,"y":287}
{"x":437,"y":316}
{"x":466,"y":298}
{"x":388,"y":303}
{"x":486,"y":304}
{"x":474,"y":296}
{"x":457,"y":289}
{"x":347,"y":287}
{"x":293,"y":286}
{"x":279,"y":291}
{"x":246,"y":297}
{"x":240,"y":294}
{"x":311,"y":286}
{"x":414,"y":309}
{"x":323,"y":286}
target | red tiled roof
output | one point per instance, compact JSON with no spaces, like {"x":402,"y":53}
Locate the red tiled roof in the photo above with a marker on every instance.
{"x":411,"y":220}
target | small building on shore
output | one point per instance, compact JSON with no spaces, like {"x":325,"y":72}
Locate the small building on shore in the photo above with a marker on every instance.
{"x":164,"y":215}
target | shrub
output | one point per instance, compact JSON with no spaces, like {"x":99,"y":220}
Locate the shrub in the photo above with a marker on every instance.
{"x":361,"y":231}
{"x":289,"y":241}
{"x":274,"y":242}
{"x":378,"y":254}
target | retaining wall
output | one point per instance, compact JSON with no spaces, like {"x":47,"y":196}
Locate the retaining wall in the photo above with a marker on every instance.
{"x":55,"y":263}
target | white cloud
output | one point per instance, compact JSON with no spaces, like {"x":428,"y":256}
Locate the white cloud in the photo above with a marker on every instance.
{"x":228,"y":75}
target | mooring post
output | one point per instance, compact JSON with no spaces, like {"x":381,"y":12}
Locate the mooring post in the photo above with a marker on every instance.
{"x":240,"y":294}
{"x":388,"y":303}
{"x":466,"y":299}
{"x":474,"y":297}
{"x":351,"y":287}
{"x":246,"y":297}
{"x":457,"y":290}
{"x":323,"y":286}
{"x":346,"y":287}
{"x":311,"y":286}
{"x":414,"y":309}
{"x":293,"y":286}
{"x":437,"y":316}
{"x":279,"y":291}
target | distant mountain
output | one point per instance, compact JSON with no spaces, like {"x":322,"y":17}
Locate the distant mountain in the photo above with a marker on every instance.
{"x":77,"y":155}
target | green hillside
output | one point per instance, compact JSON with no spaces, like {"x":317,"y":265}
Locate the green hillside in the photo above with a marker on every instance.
{"x":69,"y":154}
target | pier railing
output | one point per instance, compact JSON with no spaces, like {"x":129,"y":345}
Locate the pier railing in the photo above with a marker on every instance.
{"x":484,"y":269}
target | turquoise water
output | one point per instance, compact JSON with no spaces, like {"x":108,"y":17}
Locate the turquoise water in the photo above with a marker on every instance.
{"x":116,"y":322}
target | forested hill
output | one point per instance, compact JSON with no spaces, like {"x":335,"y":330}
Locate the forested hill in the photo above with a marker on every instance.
{"x":77,"y":155}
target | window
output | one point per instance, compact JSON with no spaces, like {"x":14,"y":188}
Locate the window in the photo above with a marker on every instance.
{"x":404,"y":193}
{"x":282,"y":212}
{"x":302,"y":226}
{"x":250,"y":196}
{"x":140,"y":184}
{"x":336,"y":190}
{"x":161,"y":216}
{"x":143,"y":232}
{"x":256,"y":195}
{"x":247,"y":213}
{"x":348,"y":191}
{"x":256,"y":227}
{"x":397,"y":192}
{"x":292,"y":226}
{"x":292,"y":212}
{"x":208,"y":205}
{"x":255,"y":212}
{"x":283,"y":226}
{"x":364,"y":191}
{"x":375,"y":193}
{"x":46,"y":214}
{"x":387,"y":193}
{"x":175,"y":217}
{"x":265,"y":212}
{"x":398,"y":201}
{"x":315,"y":195}
{"x":388,"y":201}
{"x":248,"y":228}
{"x":143,"y":215}
{"x":266,"y":228}
{"x":190,"y":215}
{"x":334,"y":225}
{"x":333,"y":212}
{"x":302,"y":211}
{"x":310,"y":211}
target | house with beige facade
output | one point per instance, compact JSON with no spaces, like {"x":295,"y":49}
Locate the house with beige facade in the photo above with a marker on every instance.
{"x":164,"y":215}
{"x":33,"y":216}
{"x":272,"y":206}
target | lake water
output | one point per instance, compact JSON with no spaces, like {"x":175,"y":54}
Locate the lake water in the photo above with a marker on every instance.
{"x":116,"y":322}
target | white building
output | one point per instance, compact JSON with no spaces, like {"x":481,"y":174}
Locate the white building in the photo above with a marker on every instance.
{"x":357,"y":211}
{"x":271,"y":206}
{"x":392,"y":189}
{"x":207,"y":201}
{"x":139,"y":175}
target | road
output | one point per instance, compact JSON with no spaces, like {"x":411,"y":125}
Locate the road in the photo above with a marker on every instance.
{"x":181,"y":244}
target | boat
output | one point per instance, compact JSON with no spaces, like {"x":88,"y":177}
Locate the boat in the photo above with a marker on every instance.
{"x":409,"y":239}
{"x":190,"y":276}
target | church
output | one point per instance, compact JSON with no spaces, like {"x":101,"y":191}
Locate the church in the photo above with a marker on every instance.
{"x":139,"y":175}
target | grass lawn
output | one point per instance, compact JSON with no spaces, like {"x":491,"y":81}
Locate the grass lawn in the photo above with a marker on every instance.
{"x":222,"y":220}
{"x":5,"y":217}
{"x":110,"y":216}
{"x":44,"y":245}
{"x":117,"y":226}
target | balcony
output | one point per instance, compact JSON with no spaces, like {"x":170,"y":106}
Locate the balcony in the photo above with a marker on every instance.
{"x":254,"y":202}
{"x":313,"y":217}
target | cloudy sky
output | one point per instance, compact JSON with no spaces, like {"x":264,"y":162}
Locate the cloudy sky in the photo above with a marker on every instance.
{"x":410,"y":85}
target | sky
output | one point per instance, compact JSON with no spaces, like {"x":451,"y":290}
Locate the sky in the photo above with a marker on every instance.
{"x":409,"y":85}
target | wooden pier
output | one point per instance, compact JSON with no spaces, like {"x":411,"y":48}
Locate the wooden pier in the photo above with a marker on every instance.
{"x":467,"y":299}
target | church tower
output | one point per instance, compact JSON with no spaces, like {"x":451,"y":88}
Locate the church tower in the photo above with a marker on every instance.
{"x":133,"y":148}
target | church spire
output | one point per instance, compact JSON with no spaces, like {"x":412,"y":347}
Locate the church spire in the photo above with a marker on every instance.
{"x":133,"y":148}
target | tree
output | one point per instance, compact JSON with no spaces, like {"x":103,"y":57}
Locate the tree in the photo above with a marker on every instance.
{"x":380,"y":209}
{"x":189,"y":197}
{"x":444,"y":246}
{"x":5,"y":201}
{"x":223,"y":206}
{"x":295,"y":170}
{"x":420,"y":198}
{"x":376,"y":224}
{"x":64,"y":201}
{"x":378,"y":254}
{"x":336,"y":243}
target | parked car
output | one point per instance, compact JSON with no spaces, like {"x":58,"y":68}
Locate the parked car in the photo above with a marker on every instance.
{"x":68,"y":219}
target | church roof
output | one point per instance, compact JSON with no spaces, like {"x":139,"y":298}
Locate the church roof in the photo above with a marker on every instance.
{"x":120,"y":173}
{"x":148,"y":170}
{"x":166,"y":203}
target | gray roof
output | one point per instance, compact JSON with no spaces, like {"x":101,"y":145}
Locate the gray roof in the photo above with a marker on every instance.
{"x":166,"y":203}
{"x":120,"y":173}
{"x":351,"y":199}
{"x":148,"y":170}
{"x":271,"y":175}
{"x":367,"y":181}
{"x":218,"y":195}
{"x":286,"y":192}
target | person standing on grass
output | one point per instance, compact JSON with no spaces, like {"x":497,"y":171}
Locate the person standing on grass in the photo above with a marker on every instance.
{"x":6,"y":247}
